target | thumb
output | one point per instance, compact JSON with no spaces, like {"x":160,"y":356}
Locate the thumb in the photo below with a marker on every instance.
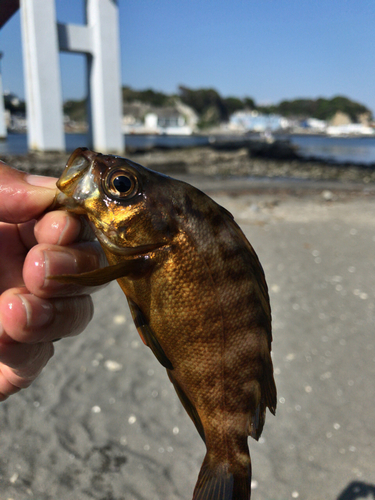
{"x":23,"y":197}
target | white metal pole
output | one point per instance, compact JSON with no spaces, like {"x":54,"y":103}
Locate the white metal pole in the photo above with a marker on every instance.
{"x":42,"y":75}
{"x":104,"y":76}
{"x":3,"y":128}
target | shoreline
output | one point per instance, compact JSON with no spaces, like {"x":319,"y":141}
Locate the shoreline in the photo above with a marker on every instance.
{"x":216,"y":164}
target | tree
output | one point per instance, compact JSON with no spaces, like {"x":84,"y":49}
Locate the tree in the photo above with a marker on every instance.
{"x":76,"y":110}
{"x":233,"y":104}
{"x":208,"y":104}
{"x":148,"y":96}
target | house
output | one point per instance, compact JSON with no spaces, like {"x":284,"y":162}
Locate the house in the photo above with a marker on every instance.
{"x":314,"y":125}
{"x":256,"y":122}
{"x":142,"y":118}
{"x":350,"y":129}
{"x":133,"y":116}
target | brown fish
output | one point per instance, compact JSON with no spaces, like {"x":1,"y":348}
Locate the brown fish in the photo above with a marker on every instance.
{"x":198,"y":297}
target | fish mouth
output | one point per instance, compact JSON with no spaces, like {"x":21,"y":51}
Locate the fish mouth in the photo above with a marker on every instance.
{"x":63,"y":202}
{"x":105,"y":241}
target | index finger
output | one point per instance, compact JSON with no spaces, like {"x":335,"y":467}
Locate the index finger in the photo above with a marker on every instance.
{"x":23,"y":197}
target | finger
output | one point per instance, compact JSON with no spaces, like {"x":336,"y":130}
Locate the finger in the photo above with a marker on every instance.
{"x":44,"y":261}
{"x":6,"y":388}
{"x":58,"y":228}
{"x":62,"y":228}
{"x":28,"y":319}
{"x":23,"y":363}
{"x":12,"y":256}
{"x":31,"y":361}
{"x":26,"y":233}
{"x":24,"y":197}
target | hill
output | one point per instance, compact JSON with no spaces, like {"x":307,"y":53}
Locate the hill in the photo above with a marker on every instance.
{"x":212,"y":108}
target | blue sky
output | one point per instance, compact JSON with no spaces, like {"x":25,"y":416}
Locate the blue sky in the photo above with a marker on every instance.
{"x":266,"y":49}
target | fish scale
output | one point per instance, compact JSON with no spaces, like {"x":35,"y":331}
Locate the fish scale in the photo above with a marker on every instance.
{"x":198,"y":296}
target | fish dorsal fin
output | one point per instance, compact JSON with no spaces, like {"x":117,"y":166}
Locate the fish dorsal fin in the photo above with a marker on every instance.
{"x":148,"y":336}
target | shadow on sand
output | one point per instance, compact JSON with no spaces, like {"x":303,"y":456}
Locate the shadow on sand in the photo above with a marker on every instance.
{"x":357,"y":490}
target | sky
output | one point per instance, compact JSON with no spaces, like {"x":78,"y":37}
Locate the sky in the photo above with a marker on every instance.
{"x":269,"y":50}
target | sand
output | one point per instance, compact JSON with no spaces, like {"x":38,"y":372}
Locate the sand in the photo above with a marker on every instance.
{"x":103,"y":422}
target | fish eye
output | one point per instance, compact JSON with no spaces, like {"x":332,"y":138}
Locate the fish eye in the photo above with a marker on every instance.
{"x":121,"y":184}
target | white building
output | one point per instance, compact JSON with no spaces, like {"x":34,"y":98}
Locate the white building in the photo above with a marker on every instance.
{"x":256,"y":122}
{"x":350,"y":129}
{"x":315,"y":125}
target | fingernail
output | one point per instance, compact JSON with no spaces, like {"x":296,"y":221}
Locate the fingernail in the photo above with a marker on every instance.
{"x":67,"y":225}
{"x":41,"y":181}
{"x":59,"y":263}
{"x":39,"y":312}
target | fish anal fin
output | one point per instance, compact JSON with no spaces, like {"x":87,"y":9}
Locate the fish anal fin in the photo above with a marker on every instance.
{"x":223,"y":482}
{"x":148,"y":336}
{"x":188,"y":405}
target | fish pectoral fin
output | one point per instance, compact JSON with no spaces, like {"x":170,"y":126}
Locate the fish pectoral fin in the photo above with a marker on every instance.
{"x":148,"y":336}
{"x":99,"y":276}
{"x":188,"y":405}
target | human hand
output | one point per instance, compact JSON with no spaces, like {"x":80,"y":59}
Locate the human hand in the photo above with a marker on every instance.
{"x":34,"y":310}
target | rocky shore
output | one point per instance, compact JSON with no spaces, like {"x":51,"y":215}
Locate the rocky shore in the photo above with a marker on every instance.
{"x":208,"y":162}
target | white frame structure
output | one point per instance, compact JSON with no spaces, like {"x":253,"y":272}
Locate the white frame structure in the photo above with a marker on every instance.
{"x":98,"y":39}
{"x":3,"y":128}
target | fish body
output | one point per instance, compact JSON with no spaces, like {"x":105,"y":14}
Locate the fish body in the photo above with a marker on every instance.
{"x":198,"y":297}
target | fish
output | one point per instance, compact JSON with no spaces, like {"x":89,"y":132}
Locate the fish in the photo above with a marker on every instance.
{"x":198,"y":297}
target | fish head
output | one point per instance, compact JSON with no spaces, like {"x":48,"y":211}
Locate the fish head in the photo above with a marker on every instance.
{"x":127,"y":204}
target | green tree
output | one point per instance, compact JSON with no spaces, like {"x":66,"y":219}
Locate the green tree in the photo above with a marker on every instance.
{"x":249,"y":103}
{"x":76,"y":110}
{"x":14,"y":105}
{"x":320,"y":108}
{"x":233,"y":104}
{"x":147,"y":96}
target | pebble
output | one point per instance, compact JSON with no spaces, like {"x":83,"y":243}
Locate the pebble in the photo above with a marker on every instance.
{"x":119,"y":319}
{"x":327,"y":195}
{"x":112,"y":366}
{"x":13,"y":478}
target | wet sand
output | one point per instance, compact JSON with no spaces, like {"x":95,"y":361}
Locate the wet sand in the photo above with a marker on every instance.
{"x":103,"y":421}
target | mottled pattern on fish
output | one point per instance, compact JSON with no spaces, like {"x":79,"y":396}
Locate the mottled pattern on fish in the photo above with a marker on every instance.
{"x":199,"y":299}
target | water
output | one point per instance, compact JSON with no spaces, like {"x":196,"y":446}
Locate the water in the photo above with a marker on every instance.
{"x":17,"y":143}
{"x":360,"y":150}
{"x":339,"y":149}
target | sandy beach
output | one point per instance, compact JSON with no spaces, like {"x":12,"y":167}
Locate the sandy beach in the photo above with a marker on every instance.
{"x":103,"y":421}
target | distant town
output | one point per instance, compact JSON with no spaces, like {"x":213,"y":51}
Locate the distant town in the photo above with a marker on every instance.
{"x":197,"y":111}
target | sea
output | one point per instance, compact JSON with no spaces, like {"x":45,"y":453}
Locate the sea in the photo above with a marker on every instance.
{"x":354,"y":150}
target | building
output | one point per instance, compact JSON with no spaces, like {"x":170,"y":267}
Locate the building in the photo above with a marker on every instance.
{"x":253,"y":121}
{"x":141,"y":118}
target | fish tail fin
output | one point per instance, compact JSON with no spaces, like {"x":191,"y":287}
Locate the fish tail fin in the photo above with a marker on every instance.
{"x":218,"y":481}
